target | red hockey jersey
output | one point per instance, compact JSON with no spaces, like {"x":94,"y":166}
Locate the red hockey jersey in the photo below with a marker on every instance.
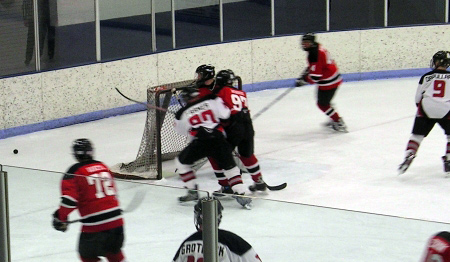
{"x":90,"y":188}
{"x":438,"y":248}
{"x":322,"y":70}
{"x":234,"y":99}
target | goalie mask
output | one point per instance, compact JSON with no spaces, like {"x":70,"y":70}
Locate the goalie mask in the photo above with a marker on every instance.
{"x":82,"y":149}
{"x":440,"y":59}
{"x":204,"y":73}
{"x":224,"y":78}
{"x":198,"y":209}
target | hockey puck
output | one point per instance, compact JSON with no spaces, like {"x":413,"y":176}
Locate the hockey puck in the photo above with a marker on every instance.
{"x":15,"y":151}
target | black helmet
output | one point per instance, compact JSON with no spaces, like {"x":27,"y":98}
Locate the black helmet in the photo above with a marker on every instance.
{"x":308,"y":37}
{"x":204,"y":73}
{"x":82,"y":149}
{"x":189,"y":93}
{"x":198,"y":209}
{"x":441,"y":58}
{"x":225,"y":78}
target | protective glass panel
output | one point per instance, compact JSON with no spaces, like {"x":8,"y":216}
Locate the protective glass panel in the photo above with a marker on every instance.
{"x":299,"y":16}
{"x":17,"y":36}
{"x":125,"y":28}
{"x":158,"y":224}
{"x":163,"y":21}
{"x":74,"y":34}
{"x":351,"y":14}
{"x":196,"y":22}
{"x":413,"y":12}
{"x":246,"y":19}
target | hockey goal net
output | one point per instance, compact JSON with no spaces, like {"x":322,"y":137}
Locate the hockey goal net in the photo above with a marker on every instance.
{"x":159,"y":142}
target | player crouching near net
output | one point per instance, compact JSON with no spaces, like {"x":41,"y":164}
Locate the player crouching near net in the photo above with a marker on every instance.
{"x":239,"y":130}
{"x":200,"y":120}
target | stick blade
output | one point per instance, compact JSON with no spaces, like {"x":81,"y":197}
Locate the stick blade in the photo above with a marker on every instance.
{"x":277,"y":187}
{"x":136,"y":201}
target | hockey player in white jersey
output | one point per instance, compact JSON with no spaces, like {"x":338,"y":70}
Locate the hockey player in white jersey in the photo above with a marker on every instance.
{"x":433,"y":106}
{"x":200,"y":121}
{"x":231,"y":247}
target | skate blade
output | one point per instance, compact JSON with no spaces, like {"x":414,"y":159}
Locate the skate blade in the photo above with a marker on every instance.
{"x":248,"y":206}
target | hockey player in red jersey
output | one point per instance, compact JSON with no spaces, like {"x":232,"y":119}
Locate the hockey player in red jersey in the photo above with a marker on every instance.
{"x":323,"y":71}
{"x":200,"y":120}
{"x":89,"y":187}
{"x":231,"y":247}
{"x":239,"y":130}
{"x":438,"y":248}
{"x":433,"y":106}
{"x":204,"y":79}
{"x":205,"y":82}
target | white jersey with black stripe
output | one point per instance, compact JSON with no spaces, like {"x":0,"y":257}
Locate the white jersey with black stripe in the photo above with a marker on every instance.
{"x":231,"y":248}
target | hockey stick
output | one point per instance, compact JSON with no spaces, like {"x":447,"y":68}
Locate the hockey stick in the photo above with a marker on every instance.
{"x":276,"y":100}
{"x":273,"y":188}
{"x":277,"y":187}
{"x":145,"y":103}
{"x":132,"y":205}
{"x":243,"y":169}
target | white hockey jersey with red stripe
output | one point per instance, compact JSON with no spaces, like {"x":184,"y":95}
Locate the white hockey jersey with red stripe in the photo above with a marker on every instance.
{"x":206,"y":112}
{"x":322,"y":69}
{"x":433,"y":93}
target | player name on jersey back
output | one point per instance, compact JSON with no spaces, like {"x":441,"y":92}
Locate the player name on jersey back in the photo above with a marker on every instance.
{"x":197,"y":248}
{"x":95,"y":169}
{"x":197,"y":108}
{"x":437,"y":76}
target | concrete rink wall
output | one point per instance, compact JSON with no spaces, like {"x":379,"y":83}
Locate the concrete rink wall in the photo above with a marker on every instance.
{"x":57,"y":98}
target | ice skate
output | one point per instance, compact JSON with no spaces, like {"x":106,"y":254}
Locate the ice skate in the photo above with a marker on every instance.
{"x":243,"y":201}
{"x":224,"y":191}
{"x":192,"y":195}
{"x":339,"y":126}
{"x":404,"y":166}
{"x":446,"y":166}
{"x":258,"y":186}
{"x":328,"y":124}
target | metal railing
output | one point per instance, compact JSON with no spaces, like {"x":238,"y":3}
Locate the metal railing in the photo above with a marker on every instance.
{"x":5,"y":251}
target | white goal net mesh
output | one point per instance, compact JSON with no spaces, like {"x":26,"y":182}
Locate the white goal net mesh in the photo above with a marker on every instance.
{"x":159,"y":142}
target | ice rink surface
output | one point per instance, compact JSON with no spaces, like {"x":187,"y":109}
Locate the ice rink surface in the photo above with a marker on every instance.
{"x":355,"y":171}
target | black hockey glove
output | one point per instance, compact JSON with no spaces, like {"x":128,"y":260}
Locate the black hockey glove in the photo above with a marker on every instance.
{"x":58,"y":224}
{"x":204,"y":133}
{"x":300,"y":82}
